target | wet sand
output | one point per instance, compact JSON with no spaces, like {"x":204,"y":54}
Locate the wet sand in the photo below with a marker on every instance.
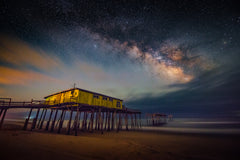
{"x":34,"y":145}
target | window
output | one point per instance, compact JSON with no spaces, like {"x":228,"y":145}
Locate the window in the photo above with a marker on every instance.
{"x":104,"y":98}
{"x":118,"y":104}
{"x":110,"y":99}
{"x":95,"y":96}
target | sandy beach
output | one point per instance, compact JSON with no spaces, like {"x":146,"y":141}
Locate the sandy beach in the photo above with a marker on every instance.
{"x":28,"y":145}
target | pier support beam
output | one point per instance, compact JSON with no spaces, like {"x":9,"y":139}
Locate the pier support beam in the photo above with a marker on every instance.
{"x":106,"y":115}
{"x":53,"y":122}
{"x":38,"y":125}
{"x":79,"y":119}
{"x":1,"y":112}
{"x":41,"y":124}
{"x":126,"y":121}
{"x":140,"y":123}
{"x":91,"y":121}
{"x":119,"y":122}
{"x":49,"y":120}
{"x":109,"y":116}
{"x":136,"y":125}
{"x":76,"y":122}
{"x":85,"y":121}
{"x":3,"y":116}
{"x":113,"y":115}
{"x":96,"y":120}
{"x":99,"y":119}
{"x":70,"y":120}
{"x":35,"y":120}
{"x":102,"y":120}
{"x":61,"y":121}
{"x":27,"y":120}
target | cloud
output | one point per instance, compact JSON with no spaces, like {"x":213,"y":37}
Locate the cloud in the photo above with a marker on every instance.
{"x":18,"y":53}
{"x":1,"y":91}
{"x":10,"y":76}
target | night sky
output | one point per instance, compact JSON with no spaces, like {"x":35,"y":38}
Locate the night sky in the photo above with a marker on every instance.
{"x":158,"y":56}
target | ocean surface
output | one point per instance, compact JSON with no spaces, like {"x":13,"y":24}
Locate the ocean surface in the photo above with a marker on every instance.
{"x":181,"y":125}
{"x":199,"y":125}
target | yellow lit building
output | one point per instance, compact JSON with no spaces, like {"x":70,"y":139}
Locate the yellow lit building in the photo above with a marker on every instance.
{"x":83,"y":97}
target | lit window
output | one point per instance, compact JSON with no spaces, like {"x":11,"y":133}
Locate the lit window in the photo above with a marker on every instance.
{"x":104,"y":98}
{"x":118,"y":104}
{"x":95,"y":96}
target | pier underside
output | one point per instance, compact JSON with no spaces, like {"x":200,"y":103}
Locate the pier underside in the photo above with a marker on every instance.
{"x":79,"y":117}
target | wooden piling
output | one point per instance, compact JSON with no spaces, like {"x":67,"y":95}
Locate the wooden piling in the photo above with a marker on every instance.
{"x":35,"y":120}
{"x":109,"y":116}
{"x":27,"y":120}
{"x":105,"y":126}
{"x":69,"y":122}
{"x":3,"y":116}
{"x":85,"y":121}
{"x":136,"y":125}
{"x":54,"y":119}
{"x":49,"y":120}
{"x":119,"y":122}
{"x":126,"y":120}
{"x":96,"y":120}
{"x":45,"y":112}
{"x":61,"y":121}
{"x":113,"y":115}
{"x":1,"y":112}
{"x":140,"y":123}
{"x":102,"y":121}
{"x":91,"y":121}
{"x":132,"y":124}
{"x":38,"y":125}
{"x":79,"y":119}
{"x":99,"y":119}
{"x":76,"y":122}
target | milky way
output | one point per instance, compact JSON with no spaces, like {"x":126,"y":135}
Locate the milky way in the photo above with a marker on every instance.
{"x":155,"y":55}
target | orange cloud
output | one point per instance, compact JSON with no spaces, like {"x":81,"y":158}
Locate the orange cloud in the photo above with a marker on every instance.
{"x":9,"y":76}
{"x":1,"y":91}
{"x":19,"y":53}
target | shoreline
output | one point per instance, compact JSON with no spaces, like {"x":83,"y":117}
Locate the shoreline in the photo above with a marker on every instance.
{"x":18,"y":144}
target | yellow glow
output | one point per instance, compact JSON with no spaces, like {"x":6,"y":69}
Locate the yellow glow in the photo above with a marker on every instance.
{"x":19,"y":53}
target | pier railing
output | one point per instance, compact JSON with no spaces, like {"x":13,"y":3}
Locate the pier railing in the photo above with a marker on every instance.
{"x":7,"y":102}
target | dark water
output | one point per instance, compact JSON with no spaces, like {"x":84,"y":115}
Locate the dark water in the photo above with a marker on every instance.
{"x":200,"y":125}
{"x":182,"y":125}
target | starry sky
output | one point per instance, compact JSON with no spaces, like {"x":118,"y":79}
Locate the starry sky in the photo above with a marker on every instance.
{"x":178,"y":57}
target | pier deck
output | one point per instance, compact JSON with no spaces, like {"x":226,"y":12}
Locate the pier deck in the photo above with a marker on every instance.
{"x":80,"y":116}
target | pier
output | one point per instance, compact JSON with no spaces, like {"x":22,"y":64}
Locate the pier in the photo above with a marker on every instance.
{"x":156,"y":119}
{"x":81,"y":117}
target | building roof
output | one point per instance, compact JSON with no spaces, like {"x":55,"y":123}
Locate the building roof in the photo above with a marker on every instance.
{"x":84,"y":91}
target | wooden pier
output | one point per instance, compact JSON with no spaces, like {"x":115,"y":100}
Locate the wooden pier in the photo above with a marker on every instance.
{"x":81,"y":117}
{"x":156,"y":119}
